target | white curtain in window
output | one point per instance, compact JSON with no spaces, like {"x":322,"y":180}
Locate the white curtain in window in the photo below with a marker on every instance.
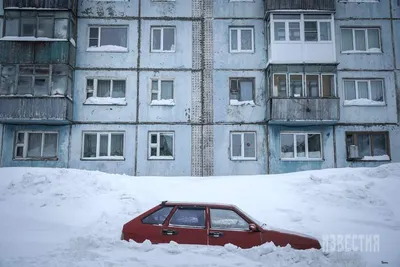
{"x":376,"y":91}
{"x":373,"y":39}
{"x":249,"y":145}
{"x":167,"y":90}
{"x":349,"y":90}
{"x":50,"y":145}
{"x":234,"y":37}
{"x":169,"y":39}
{"x":347,"y":40}
{"x":236,"y":145}
{"x":103,"y":145}
{"x":118,"y":89}
{"x":166,"y":145}
{"x":103,"y":88}
{"x":34,"y":145}
{"x":246,"y":90}
{"x":117,"y":145}
{"x":362,"y":89}
{"x":246,"y":40}
{"x":325,"y":31}
{"x":360,"y":40}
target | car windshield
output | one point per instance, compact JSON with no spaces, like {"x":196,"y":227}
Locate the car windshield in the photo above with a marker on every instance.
{"x":250,"y":217}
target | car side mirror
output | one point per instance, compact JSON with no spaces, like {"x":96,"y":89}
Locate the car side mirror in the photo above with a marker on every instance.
{"x":252,"y":227}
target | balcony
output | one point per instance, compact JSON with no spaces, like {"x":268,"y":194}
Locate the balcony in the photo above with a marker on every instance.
{"x":303,"y":110}
{"x":328,"y":5}
{"x":49,"y":110}
{"x":48,"y":4}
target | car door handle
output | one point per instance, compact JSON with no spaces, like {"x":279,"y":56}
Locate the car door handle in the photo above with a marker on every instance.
{"x":169,"y":232}
{"x":216,"y":234}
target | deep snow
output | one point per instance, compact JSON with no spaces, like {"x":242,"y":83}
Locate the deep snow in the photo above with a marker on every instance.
{"x":64,"y":217}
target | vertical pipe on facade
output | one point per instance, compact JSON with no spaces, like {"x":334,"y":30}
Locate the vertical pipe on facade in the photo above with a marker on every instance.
{"x":69,"y":146}
{"x":2,"y":144}
{"x":138,"y":84}
{"x":395,"y":59}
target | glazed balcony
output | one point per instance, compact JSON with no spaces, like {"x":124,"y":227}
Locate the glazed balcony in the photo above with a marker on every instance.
{"x":47,"y":4}
{"x":328,"y":5}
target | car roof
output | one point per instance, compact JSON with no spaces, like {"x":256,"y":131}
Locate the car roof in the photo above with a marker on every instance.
{"x":208,"y":204}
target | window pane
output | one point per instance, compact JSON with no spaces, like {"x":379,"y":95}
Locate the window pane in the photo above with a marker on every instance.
{"x":167,"y":89}
{"x":153,"y":151}
{"x":362,"y":90}
{"x":227,"y":219}
{"x":118,"y":89}
{"x":7,"y":80}
{"x":301,"y":146}
{"x":189,"y":217}
{"x":24,"y":85}
{"x":234,"y":39}
{"x":169,"y":39}
{"x":236,"y":145}
{"x":349,"y":90}
{"x":373,"y":39}
{"x":296,"y":85}
{"x":249,"y":145}
{"x":93,"y":42}
{"x":153,"y":139}
{"x":20,"y":138}
{"x":325,"y":31}
{"x":59,"y":85}
{"x":158,"y":217}
{"x":117,"y":145}
{"x":41,"y":86}
{"x":113,"y":36}
{"x":61,"y":29}
{"x":328,"y":85}
{"x":246,"y":90}
{"x":20,"y":152}
{"x":246,"y":40}
{"x":279,"y":28}
{"x":45,"y":27}
{"x":234,"y":90}
{"x":166,"y":145}
{"x":94,"y":33}
{"x":154,"y":90}
{"x":103,"y":88}
{"x":314,"y":146}
{"x":12,"y":27}
{"x":287,"y":146}
{"x":90,"y":144}
{"x":379,"y":148}
{"x":377,"y":90}
{"x":279,"y":89}
{"x":360,"y":40}
{"x":294,"y":31}
{"x":28,"y":27}
{"x":364,"y":148}
{"x":50,"y":145}
{"x":156,"y":39}
{"x":347,"y":40}
{"x":34,"y":145}
{"x":312,"y":85}
{"x":103,"y":145}
{"x":310,"y":31}
{"x":89,"y":88}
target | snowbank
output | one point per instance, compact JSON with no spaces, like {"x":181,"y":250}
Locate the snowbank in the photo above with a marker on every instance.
{"x":64,"y":217}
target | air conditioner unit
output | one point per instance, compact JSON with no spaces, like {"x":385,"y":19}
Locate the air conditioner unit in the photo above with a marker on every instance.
{"x":353,"y":152}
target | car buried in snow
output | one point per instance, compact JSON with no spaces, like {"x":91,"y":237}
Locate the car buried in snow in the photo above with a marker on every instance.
{"x":208,"y":224}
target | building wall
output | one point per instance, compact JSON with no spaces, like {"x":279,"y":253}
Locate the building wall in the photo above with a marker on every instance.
{"x":93,"y":8}
{"x":244,"y":9}
{"x":277,"y":165}
{"x":222,"y":154}
{"x":1,"y":144}
{"x":9,"y":140}
{"x":373,"y":10}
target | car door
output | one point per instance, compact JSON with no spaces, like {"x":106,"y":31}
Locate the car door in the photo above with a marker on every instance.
{"x":227,"y":226}
{"x":187,"y":225}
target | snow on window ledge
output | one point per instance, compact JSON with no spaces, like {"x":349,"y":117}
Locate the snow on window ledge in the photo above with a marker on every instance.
{"x":243,"y":159}
{"x":30,"y":39}
{"x":111,"y":158}
{"x":363,"y":102}
{"x":162,"y":102}
{"x":302,"y":159}
{"x":161,"y":158}
{"x":234,"y":102}
{"x":369,"y":51}
{"x":107,"y":48}
{"x":376,"y":158}
{"x":105,"y":101}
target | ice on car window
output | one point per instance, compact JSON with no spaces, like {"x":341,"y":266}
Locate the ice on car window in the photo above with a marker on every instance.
{"x":189,"y":217}
{"x":158,"y":217}
{"x":227,"y":219}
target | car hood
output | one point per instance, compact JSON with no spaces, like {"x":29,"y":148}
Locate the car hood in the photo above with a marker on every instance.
{"x":284,"y":231}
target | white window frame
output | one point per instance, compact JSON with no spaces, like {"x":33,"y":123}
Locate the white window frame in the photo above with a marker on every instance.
{"x":368,"y":81}
{"x":95,"y":80}
{"x":365,"y":29}
{"x":239,"y":35}
{"x":302,"y":84}
{"x":242,"y":133}
{"x":161,"y":50}
{"x":318,"y":30}
{"x":88,"y":47}
{"x":334,"y":83}
{"x":295,"y":158}
{"x":98,"y":157}
{"x":26,"y":144}
{"x":158,"y":101}
{"x":287,"y":31}
{"x":157,"y":145}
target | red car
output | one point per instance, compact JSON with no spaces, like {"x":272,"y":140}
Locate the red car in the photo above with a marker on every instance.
{"x":208,"y":224}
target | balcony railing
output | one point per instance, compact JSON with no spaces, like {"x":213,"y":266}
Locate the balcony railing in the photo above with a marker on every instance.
{"x":48,"y":4}
{"x":328,"y":5}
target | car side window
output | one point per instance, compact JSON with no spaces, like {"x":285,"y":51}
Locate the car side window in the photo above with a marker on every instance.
{"x":227,"y":219}
{"x":189,"y":217}
{"x":158,"y":217}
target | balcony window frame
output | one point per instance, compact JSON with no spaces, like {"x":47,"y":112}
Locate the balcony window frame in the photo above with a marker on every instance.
{"x":306,"y":147}
{"x":354,"y":136}
{"x":109,"y":141}
{"x":239,"y":30}
{"x":25,"y":145}
{"x":157,"y":145}
{"x":354,"y":50}
{"x":242,"y":156}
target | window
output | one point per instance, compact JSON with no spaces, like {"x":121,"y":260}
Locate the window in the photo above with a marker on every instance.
{"x":243,"y":146}
{"x":192,"y":217}
{"x":305,"y":146}
{"x":241,"y":39}
{"x":162,"y":92}
{"x":369,"y":145}
{"x":108,"y":38}
{"x":36,"y":145}
{"x":287,"y":27}
{"x":161,"y":145}
{"x":162,"y":39}
{"x":241,"y":89}
{"x":317,"y":27}
{"x":361,"y":40}
{"x":103,"y":145}
{"x":36,"y":24}
{"x":227,"y":220}
{"x":158,"y":217}
{"x":279,"y":85}
{"x":364,"y":92}
{"x":96,"y":87}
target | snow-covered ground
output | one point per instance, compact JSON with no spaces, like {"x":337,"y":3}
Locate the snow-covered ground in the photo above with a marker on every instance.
{"x":61,"y":217}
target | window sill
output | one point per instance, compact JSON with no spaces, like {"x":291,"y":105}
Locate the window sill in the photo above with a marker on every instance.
{"x":369,"y":160}
{"x":162,"y":51}
{"x":233,"y":102}
{"x":303,"y":159}
{"x":362,"y":52}
{"x":167,"y":102}
{"x":161,"y":158}
{"x":105,"y":101}
{"x":31,"y":39}
{"x":108,"y":49}
{"x":36,"y":159}
{"x":243,"y":159}
{"x":242,"y":52}
{"x":104,"y":159}
{"x":363,"y":103}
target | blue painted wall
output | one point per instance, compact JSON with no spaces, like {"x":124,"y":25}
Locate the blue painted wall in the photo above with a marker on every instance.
{"x":1,"y":144}
{"x":9,"y":140}
{"x":177,"y":8}
{"x":223,"y":165}
{"x":281,"y":166}
{"x":396,"y":28}
{"x":93,"y":8}
{"x":379,"y":9}
{"x":244,"y":9}
{"x":396,"y":8}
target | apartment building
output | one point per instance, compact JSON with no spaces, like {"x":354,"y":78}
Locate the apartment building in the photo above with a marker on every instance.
{"x":199,"y":87}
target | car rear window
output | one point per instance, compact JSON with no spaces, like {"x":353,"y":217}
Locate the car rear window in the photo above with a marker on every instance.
{"x":157,"y":217}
